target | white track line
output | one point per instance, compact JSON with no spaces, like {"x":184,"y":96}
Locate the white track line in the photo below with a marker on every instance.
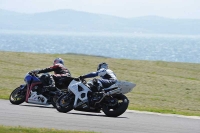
{"x":174,"y":115}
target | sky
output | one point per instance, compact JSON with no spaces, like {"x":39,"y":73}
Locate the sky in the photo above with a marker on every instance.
{"x":121,"y":8}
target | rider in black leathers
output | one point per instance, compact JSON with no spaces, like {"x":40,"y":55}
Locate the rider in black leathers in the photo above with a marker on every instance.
{"x":60,"y":79}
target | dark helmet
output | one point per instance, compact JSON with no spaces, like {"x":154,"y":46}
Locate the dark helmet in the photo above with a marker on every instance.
{"x":102,"y":65}
{"x":58,"y":61}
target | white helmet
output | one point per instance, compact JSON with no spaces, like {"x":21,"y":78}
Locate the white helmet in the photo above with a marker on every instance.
{"x":58,"y":61}
{"x":102,"y":65}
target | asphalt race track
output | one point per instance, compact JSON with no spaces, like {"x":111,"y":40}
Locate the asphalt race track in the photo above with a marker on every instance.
{"x":30,"y":115}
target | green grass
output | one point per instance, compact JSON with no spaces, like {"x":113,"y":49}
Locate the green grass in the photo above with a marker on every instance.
{"x":19,"y":129}
{"x":165,"y":87}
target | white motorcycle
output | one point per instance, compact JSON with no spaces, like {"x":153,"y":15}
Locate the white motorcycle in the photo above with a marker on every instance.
{"x":83,"y":96}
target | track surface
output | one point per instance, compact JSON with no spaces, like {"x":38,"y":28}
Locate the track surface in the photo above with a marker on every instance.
{"x":30,"y":115}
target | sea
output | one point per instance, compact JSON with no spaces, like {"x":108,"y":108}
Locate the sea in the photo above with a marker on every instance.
{"x":134,"y":46}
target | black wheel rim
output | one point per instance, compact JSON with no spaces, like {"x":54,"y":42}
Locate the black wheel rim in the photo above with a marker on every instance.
{"x":114,"y":107}
{"x":17,"y":95}
{"x":65,"y":101}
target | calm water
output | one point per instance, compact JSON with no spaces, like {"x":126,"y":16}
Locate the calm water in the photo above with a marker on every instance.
{"x":129,"y":46}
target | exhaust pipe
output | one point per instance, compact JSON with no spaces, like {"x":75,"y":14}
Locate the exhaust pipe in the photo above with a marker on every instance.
{"x":118,"y":90}
{"x":113,"y":91}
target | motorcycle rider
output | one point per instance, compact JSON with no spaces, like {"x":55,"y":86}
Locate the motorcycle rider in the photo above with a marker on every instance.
{"x":61,"y":75}
{"x":107,"y":79}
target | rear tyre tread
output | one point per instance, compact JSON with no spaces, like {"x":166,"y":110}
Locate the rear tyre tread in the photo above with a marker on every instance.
{"x":119,"y":111}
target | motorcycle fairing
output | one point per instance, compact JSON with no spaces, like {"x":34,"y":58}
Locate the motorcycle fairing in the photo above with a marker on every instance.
{"x":125,"y":86}
{"x":32,"y":96}
{"x":29,"y":78}
{"x":111,"y":87}
{"x":80,"y":91}
{"x":37,"y":99}
{"x":29,"y":90}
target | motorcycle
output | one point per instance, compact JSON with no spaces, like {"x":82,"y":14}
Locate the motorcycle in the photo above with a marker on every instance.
{"x":32,"y":92}
{"x":83,"y":96}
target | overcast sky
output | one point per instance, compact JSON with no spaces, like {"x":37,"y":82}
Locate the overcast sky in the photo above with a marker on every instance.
{"x":122,"y":8}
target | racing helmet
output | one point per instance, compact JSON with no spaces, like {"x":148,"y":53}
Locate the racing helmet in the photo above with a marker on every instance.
{"x":102,"y":65}
{"x":58,"y":61}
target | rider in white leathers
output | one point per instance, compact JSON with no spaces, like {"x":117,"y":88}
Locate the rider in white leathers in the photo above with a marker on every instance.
{"x":107,"y":79}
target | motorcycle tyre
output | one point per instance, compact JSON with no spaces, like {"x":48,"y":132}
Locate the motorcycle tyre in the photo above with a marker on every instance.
{"x":62,"y":109}
{"x":120,"y":110}
{"x":53,"y":101}
{"x":18,"y":101}
{"x":89,"y":110}
{"x":55,"y":98}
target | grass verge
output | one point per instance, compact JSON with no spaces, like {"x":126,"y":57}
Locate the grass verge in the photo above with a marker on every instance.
{"x":165,"y":87}
{"x":19,"y":129}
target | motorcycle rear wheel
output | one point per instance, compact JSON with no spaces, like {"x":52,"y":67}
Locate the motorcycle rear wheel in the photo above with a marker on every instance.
{"x":16,"y":97}
{"x":65,"y":103}
{"x":119,"y":109}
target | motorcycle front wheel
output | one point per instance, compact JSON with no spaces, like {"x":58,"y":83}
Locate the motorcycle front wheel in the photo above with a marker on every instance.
{"x":17,"y":96}
{"x":53,"y":100}
{"x":65,"y":103}
{"x":119,"y":107}
{"x":56,"y":96}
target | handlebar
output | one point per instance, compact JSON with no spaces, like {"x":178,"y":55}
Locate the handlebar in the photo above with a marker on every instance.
{"x":33,"y":74}
{"x":80,"y":79}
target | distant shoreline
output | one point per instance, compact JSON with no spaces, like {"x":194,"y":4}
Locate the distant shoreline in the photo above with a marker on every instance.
{"x":152,"y":47}
{"x":100,"y":57}
{"x":93,"y":33}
